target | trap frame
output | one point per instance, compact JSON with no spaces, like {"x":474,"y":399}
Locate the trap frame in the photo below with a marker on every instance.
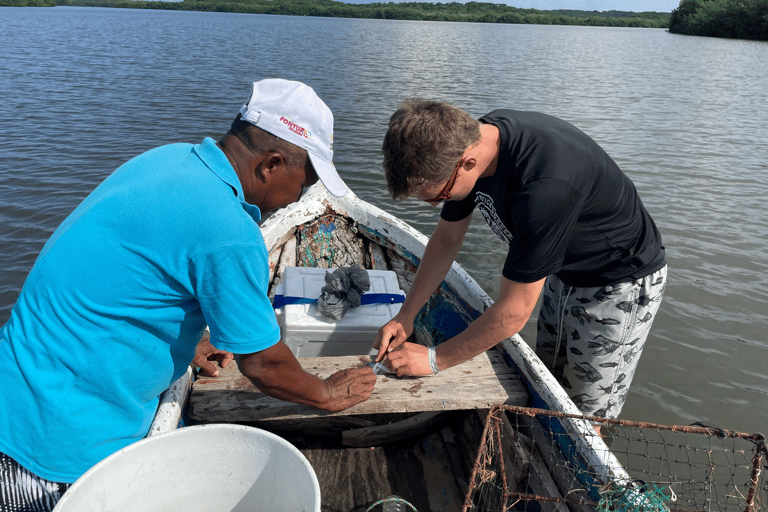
{"x":521,"y":465}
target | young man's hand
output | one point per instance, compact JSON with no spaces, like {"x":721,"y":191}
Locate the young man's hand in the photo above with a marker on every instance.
{"x":409,"y":359}
{"x":391,"y":335}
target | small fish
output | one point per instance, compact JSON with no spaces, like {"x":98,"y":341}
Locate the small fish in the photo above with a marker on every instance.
{"x":602,"y":345}
{"x":586,"y":373}
{"x":579,"y":313}
{"x":644,"y":300}
{"x":379,"y":368}
{"x":583,"y":401}
{"x":647,"y":317}
{"x":602,"y":295}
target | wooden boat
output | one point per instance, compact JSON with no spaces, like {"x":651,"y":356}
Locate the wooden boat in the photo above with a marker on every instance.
{"x":424,"y":444}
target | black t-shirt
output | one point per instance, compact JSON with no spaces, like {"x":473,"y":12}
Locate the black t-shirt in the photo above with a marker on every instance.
{"x":562,"y":205}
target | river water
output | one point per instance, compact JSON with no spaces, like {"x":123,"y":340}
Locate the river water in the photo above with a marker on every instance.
{"x":84,"y":89}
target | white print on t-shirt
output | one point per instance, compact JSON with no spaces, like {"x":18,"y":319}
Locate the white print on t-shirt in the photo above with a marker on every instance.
{"x":485,"y":203}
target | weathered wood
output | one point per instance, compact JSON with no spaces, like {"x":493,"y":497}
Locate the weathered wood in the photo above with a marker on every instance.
{"x":353,"y":479}
{"x":462,"y":441}
{"x":481,"y":382}
{"x":380,"y":434}
{"x":378,"y":258}
{"x":441,"y":486}
{"x":325,"y":427}
{"x":287,"y":259}
{"x":349,"y":478}
{"x":405,"y":270}
{"x":516,"y":459}
{"x":387,"y":242}
{"x":274,"y":263}
{"x":539,"y":479}
{"x":562,"y":472}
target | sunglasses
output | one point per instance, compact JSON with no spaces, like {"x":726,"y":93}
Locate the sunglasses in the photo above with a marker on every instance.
{"x":445,"y":194}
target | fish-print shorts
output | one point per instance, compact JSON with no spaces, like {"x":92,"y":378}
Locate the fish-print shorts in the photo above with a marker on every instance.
{"x":22,"y":491}
{"x":598,"y":335}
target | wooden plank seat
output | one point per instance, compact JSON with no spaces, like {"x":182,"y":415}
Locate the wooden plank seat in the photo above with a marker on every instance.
{"x":479,"y":383}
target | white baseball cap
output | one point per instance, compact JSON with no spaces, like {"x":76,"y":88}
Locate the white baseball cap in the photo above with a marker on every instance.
{"x":292,"y":111}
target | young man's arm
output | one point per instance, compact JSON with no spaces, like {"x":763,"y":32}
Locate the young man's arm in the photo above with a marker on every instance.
{"x":503,"y":319}
{"x":277,"y":373}
{"x":439,"y":254}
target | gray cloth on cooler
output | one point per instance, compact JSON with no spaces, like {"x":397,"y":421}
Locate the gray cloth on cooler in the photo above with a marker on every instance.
{"x":342,"y":290}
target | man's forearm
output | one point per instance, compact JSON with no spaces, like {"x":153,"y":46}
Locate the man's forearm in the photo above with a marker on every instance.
{"x":289,"y":382}
{"x":277,"y":373}
{"x":491,"y":328}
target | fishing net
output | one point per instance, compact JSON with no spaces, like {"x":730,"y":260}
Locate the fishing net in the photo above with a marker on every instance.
{"x":530,"y":459}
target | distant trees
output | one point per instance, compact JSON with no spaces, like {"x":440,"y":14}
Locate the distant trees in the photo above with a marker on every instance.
{"x":738,"y":19}
{"x":27,"y":3}
{"x":480,"y":12}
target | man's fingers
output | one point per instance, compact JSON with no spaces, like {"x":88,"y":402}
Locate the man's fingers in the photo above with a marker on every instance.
{"x":382,"y":352}
{"x":351,"y":387}
{"x":225,"y":359}
{"x":382,"y":342}
{"x":208,"y":368}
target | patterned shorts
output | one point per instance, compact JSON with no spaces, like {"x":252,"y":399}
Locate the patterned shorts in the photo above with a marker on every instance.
{"x":22,"y":491}
{"x":598,"y":335}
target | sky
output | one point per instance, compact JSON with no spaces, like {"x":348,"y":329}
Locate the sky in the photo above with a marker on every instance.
{"x":581,"y":5}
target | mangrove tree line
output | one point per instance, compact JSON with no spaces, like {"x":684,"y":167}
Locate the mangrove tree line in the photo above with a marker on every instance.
{"x":471,"y":11}
{"x":740,"y":19}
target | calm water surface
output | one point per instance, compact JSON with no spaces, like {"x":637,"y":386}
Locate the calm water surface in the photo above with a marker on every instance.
{"x":82,"y":90}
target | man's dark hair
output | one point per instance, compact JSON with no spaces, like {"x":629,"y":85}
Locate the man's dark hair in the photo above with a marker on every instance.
{"x":259,"y":140}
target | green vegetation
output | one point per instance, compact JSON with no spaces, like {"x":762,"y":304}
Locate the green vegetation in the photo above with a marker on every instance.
{"x":739,"y":19}
{"x":454,"y":11}
{"x":27,"y":3}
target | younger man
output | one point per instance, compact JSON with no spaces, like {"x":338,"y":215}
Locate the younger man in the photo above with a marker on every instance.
{"x":575,"y":227}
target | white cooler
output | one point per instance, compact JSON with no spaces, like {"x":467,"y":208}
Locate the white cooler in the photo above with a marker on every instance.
{"x":308,"y":333}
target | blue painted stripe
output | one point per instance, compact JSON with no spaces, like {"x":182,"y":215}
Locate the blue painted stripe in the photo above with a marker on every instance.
{"x":365,"y":299}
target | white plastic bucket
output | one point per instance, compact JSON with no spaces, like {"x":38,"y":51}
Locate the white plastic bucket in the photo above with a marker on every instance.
{"x":207,"y":468}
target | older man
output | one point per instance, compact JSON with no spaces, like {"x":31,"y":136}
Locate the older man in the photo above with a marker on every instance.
{"x":119,"y":297}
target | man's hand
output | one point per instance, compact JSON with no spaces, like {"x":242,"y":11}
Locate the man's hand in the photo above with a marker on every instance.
{"x":205,"y":354}
{"x":349,"y":387}
{"x":409,"y":359}
{"x":391,"y":335}
{"x":277,"y":373}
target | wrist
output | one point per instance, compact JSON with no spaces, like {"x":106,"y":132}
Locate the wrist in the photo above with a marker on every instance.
{"x":432,"y":357}
{"x":326,"y":394}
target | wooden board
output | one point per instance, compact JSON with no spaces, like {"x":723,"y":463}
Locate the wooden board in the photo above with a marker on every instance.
{"x":478,"y":383}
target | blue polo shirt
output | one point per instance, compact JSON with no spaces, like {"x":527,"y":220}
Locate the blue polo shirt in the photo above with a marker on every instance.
{"x":117,"y":300}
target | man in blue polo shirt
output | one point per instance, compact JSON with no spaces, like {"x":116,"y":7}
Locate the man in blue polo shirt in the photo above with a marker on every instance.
{"x":120,"y":295}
